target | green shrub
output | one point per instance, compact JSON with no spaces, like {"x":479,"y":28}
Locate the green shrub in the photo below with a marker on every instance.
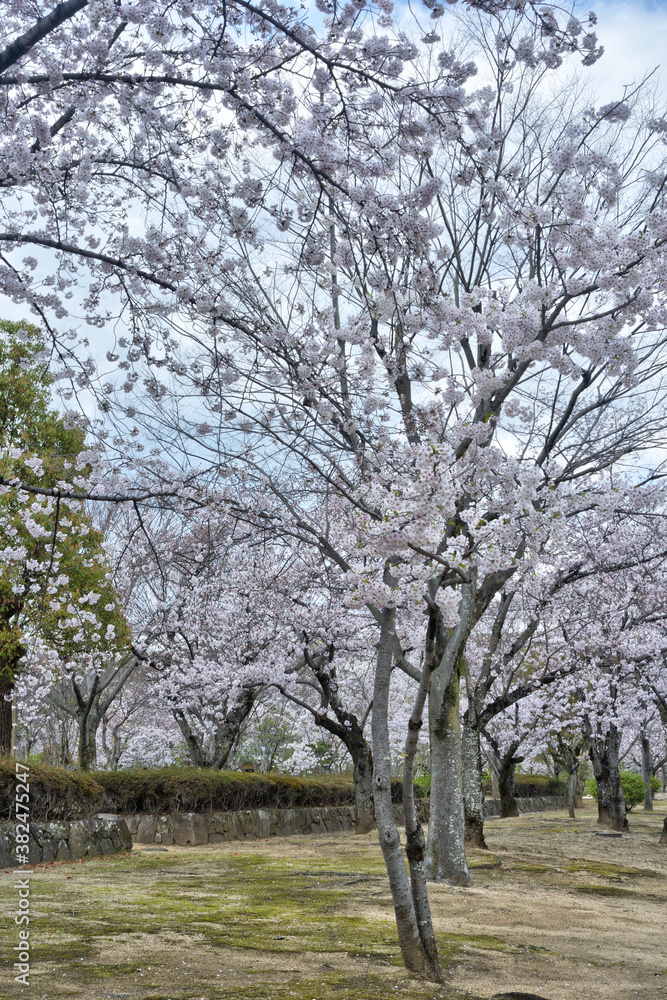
{"x":591,"y":788}
{"x":634,"y":788}
{"x":54,"y":793}
{"x":655,"y":784}
{"x":532,"y":785}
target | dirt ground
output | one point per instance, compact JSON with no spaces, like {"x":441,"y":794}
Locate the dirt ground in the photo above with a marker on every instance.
{"x":555,"y":910}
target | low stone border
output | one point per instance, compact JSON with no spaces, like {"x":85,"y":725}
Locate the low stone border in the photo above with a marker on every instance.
{"x":67,"y":841}
{"x":527,"y":805}
{"x":191,"y":829}
{"x":108,"y":833}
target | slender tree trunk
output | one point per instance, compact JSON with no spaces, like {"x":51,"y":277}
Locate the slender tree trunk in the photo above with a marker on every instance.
{"x":604,"y":757}
{"x":6,"y":690}
{"x":663,"y":838}
{"x":581,"y":781}
{"x":647,"y":772}
{"x":506,"y":775}
{"x":473,"y":781}
{"x":415,"y":951}
{"x":494,"y":770}
{"x":15,"y":724}
{"x":445,"y":853}
{"x":415,"y":844}
{"x":572,"y":789}
{"x":363,"y":787}
{"x":63,"y":750}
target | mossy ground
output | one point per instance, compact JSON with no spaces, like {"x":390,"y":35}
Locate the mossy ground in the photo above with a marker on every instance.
{"x":311,"y":919}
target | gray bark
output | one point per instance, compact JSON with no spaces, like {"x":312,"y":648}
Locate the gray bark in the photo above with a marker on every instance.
{"x":418,"y":953}
{"x":473,"y":781}
{"x":363,"y":789}
{"x":494,"y":768}
{"x":506,"y":776}
{"x":415,"y":846}
{"x":647,"y":772}
{"x":572,"y":790}
{"x":604,"y":751}
{"x":214,"y":753}
{"x":445,"y":853}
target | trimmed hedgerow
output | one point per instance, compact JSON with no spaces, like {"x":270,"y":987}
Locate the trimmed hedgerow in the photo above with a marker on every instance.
{"x":182,"y":789}
{"x":55,"y":793}
{"x":166,"y":790}
{"x":533,"y":785}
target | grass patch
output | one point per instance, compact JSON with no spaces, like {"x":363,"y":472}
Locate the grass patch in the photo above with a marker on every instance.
{"x":172,"y":907}
{"x":605,"y":890}
{"x":609,"y":870}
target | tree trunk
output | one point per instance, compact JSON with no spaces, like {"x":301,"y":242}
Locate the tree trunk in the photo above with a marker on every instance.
{"x":6,"y":690}
{"x":190,"y":738}
{"x":15,"y":724}
{"x":418,"y":957}
{"x":228,"y":731}
{"x":604,"y":757}
{"x":363,"y":787}
{"x":494,"y":770}
{"x":473,"y":781}
{"x":663,"y":838}
{"x":445,"y":852}
{"x":507,"y":771}
{"x":88,"y":724}
{"x":572,"y":790}
{"x":647,"y":772}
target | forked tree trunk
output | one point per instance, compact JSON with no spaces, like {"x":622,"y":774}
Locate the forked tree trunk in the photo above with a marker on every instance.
{"x":647,"y":772}
{"x":445,"y":853}
{"x":415,"y":937}
{"x":473,"y":781}
{"x":604,"y":757}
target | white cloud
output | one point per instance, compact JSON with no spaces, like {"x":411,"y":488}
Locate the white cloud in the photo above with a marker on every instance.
{"x":634,"y":36}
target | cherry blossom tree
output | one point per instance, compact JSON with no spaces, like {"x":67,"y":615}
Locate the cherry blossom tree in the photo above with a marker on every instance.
{"x":423,"y":330}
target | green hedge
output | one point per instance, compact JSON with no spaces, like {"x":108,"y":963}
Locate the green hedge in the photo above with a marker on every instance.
{"x":54,"y":793}
{"x":532,"y":785}
{"x":59,"y":794}
{"x":166,"y":790}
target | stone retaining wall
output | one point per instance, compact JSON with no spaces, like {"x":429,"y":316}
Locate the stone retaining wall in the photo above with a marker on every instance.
{"x":108,"y":833}
{"x":192,"y":829}
{"x":528,"y":805}
{"x":67,"y":841}
{"x":188,"y":829}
